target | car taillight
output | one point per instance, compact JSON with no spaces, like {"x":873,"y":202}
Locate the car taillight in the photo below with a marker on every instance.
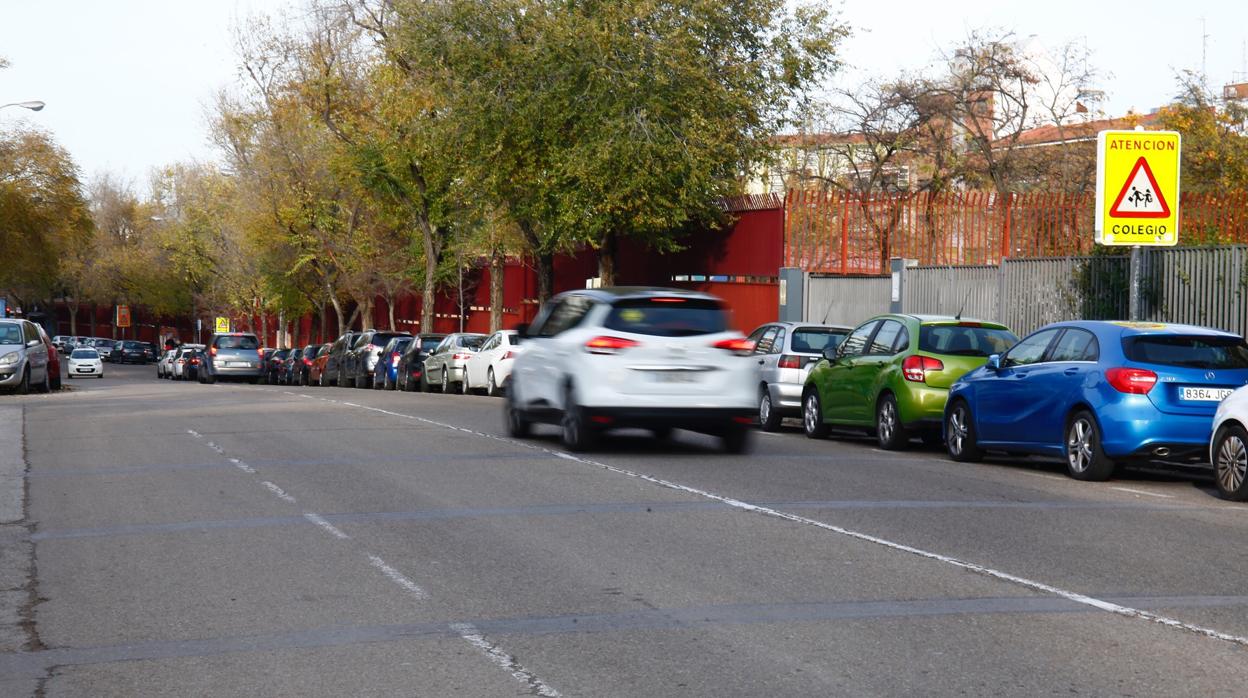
{"x":1135,"y":381}
{"x":370,"y":347}
{"x":307,"y":362}
{"x":181,"y":361}
{"x":194,"y":362}
{"x":213,"y":351}
{"x":790,"y":361}
{"x":609,"y":345}
{"x":509,"y":355}
{"x":260,"y":353}
{"x":915,"y":367}
{"x":461,"y":356}
{"x":738,"y":345}
{"x":394,"y":359}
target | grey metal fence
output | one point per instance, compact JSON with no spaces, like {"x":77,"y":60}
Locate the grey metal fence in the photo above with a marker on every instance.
{"x":1200,"y":286}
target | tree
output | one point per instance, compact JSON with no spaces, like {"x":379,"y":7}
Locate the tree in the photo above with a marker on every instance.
{"x":1215,"y":137}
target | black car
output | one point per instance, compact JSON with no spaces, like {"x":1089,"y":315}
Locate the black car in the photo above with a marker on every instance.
{"x":194,"y":360}
{"x":332,"y":373}
{"x":299,"y":365}
{"x":412,"y":362}
{"x":359,"y":362}
{"x":287,"y":367}
{"x":128,"y":352}
{"x":150,"y":353}
{"x":273,"y":365}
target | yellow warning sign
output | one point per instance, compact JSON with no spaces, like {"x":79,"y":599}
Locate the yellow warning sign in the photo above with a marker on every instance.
{"x":222,"y":325}
{"x":1137,"y":187}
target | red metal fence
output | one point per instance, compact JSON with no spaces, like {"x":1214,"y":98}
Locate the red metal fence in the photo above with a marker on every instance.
{"x":837,"y":233}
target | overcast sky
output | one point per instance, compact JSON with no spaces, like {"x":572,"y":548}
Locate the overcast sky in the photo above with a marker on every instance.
{"x":127,"y":81}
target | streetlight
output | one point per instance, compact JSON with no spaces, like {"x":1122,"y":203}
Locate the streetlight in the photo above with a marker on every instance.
{"x":34,"y":105}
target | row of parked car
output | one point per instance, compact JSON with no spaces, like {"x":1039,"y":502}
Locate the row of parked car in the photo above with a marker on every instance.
{"x":1095,"y":394}
{"x":109,"y":350}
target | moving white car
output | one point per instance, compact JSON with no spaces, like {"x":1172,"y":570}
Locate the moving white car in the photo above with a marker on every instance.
{"x":85,"y":362}
{"x":654,"y":358}
{"x":1228,"y":446}
{"x":490,"y":367}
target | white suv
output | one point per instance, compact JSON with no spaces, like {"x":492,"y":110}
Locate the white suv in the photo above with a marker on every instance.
{"x":653,"y":358}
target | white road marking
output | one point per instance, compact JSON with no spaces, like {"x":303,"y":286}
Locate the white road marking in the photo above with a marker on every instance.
{"x":397,"y":577}
{"x":194,"y":433}
{"x":333,"y":530}
{"x":281,"y":494}
{"x":1046,"y":476}
{"x":1107,"y":606}
{"x":243,"y":466}
{"x":1143,"y":492}
{"x":504,"y":660}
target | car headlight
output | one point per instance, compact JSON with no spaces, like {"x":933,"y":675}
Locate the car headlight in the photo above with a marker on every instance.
{"x":10,"y":359}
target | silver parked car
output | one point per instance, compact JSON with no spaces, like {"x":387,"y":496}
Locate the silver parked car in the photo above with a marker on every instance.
{"x":785,"y":352}
{"x":233,"y":355}
{"x":23,"y":357}
{"x":446,"y":365}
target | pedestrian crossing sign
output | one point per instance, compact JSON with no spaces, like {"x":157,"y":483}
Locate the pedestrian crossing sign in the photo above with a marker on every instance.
{"x":1137,"y":188}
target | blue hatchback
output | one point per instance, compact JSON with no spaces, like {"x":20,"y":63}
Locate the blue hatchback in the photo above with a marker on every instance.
{"x":1098,"y":393}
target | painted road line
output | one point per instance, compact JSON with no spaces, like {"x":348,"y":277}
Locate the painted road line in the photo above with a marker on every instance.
{"x":1143,"y":492}
{"x":279,"y":492}
{"x":473,"y":637}
{"x":333,"y":530}
{"x":397,"y":577}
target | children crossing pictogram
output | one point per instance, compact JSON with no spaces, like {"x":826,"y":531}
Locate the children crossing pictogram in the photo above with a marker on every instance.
{"x":1140,"y":196}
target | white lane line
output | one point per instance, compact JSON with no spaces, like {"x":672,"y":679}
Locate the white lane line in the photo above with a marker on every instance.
{"x":243,"y":466}
{"x":194,"y":433}
{"x":333,"y":530}
{"x":1143,"y":492}
{"x":1117,"y":609}
{"x":470,"y":634}
{"x":397,"y":577}
{"x":281,"y":494}
{"x":1046,"y":476}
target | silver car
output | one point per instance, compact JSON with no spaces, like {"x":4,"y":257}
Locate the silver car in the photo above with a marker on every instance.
{"x":785,"y":352}
{"x":446,"y":365}
{"x":23,"y":357}
{"x":232,"y":355}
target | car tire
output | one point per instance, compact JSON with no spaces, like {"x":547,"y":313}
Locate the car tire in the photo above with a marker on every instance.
{"x":210,"y":379}
{"x":425,"y":385}
{"x":768,"y":418}
{"x":662,"y":433}
{"x":446,"y":381}
{"x":1230,"y":462}
{"x":254,"y":380}
{"x":1085,"y":460}
{"x":737,"y":439}
{"x":518,"y":426}
{"x":812,"y":415}
{"x":24,"y":387}
{"x":960,"y":441}
{"x":46,"y":386}
{"x":464,"y":388}
{"x":360,"y":382}
{"x":889,"y":432}
{"x":491,"y":386}
{"x":575,"y":431}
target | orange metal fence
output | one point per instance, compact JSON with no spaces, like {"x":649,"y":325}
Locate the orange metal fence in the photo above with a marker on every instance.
{"x":837,"y":233}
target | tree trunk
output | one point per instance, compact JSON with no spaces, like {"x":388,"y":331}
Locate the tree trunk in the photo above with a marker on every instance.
{"x":264,"y":328}
{"x":545,"y":277}
{"x":73,"y":318}
{"x":497,"y":272}
{"x":94,"y":311}
{"x":390,"y":311}
{"x":342,"y":320}
{"x":366,"y":313}
{"x":606,"y":260}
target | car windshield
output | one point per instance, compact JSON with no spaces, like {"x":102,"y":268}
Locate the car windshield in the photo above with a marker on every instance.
{"x":237,"y":342}
{"x":668,"y":317}
{"x":965,"y":340}
{"x":813,"y":340}
{"x":1187,"y":350}
{"x":401,"y":343}
{"x":382,"y":338}
{"x":281,"y":353}
{"x":10,"y":334}
{"x":84,"y":354}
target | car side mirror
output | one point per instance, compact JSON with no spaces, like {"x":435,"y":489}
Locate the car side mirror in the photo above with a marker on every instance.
{"x":522,"y":329}
{"x":994,"y":362}
{"x":829,"y":353}
{"x":34,"y":343}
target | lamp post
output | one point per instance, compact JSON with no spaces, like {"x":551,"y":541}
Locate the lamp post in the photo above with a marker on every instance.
{"x":34,"y":105}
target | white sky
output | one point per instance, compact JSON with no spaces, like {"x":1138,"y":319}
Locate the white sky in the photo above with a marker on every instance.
{"x":127,"y":81}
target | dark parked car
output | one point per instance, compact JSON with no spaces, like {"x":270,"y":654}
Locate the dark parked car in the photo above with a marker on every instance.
{"x":412,"y":363}
{"x":387,"y":368}
{"x":150,"y":353}
{"x":288,"y":369}
{"x":194,"y":360}
{"x":128,"y":352}
{"x":331,"y":373}
{"x":359,"y":363}
{"x":273,"y":366}
{"x":232,"y":355}
{"x":317,"y":367}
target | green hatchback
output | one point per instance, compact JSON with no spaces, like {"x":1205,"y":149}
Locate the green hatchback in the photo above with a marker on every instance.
{"x":892,"y":374}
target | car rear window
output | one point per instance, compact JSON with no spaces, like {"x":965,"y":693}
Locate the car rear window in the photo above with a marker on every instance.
{"x":1192,"y":351}
{"x":84,"y":354}
{"x":383,"y":338}
{"x":668,"y":317}
{"x":472,"y":342}
{"x":813,"y":340}
{"x":237,"y":342}
{"x":965,"y":340}
{"x":133,"y":345}
{"x":514,"y":340}
{"x":428,"y":344}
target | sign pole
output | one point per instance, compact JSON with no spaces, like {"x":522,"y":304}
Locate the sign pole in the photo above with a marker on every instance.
{"x":1135,"y":304}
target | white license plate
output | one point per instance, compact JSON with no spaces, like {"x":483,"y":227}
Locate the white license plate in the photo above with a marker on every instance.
{"x":237,"y":364}
{"x":676,"y":377}
{"x":1205,"y":394}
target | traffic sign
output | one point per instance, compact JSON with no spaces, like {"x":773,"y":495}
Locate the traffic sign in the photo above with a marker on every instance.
{"x":223,"y":325}
{"x":1137,"y":187}
{"x":123,"y":316}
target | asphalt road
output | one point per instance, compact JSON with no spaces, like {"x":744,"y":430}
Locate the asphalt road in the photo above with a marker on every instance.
{"x":180,"y":539}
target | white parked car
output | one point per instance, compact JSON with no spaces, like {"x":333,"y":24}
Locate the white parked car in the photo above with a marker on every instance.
{"x":164,"y":367}
{"x":490,"y":368}
{"x":444,"y":367}
{"x":654,"y":358}
{"x":85,"y":362}
{"x":1228,"y":447}
{"x":182,"y":355}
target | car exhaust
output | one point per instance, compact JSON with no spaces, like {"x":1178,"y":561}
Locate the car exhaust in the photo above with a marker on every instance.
{"x":1161,"y":451}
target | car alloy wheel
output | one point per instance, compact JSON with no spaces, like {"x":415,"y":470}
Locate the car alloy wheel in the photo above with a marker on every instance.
{"x":1084,"y":458}
{"x":812,"y":416}
{"x":768,"y":418}
{"x":446,"y":381}
{"x":517,"y":426}
{"x":889,"y":432}
{"x":464,"y":388}
{"x":960,"y":434}
{"x":1231,"y":463}
{"x":491,"y":388}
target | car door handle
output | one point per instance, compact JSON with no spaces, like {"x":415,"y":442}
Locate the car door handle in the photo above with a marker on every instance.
{"x":760,"y":362}
{"x":1071,"y":371}
{"x":1019,"y":374}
